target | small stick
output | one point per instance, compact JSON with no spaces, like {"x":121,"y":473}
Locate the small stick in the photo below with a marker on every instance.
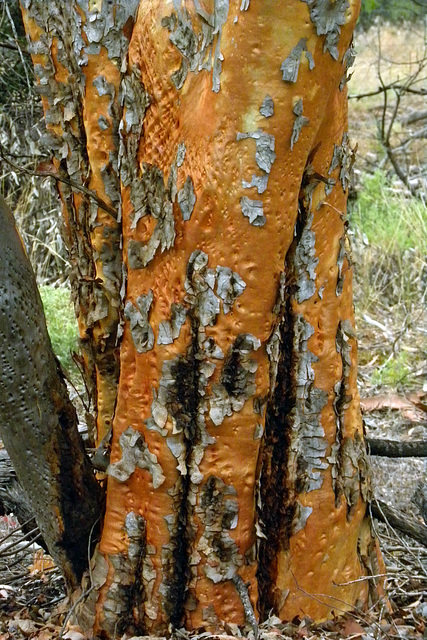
{"x":68,"y":181}
{"x":71,"y":611}
{"x":242,"y":590}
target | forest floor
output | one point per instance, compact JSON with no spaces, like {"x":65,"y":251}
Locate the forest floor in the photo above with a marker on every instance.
{"x":390,"y":303}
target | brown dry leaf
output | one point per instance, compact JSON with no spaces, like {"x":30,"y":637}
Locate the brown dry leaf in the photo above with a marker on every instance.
{"x":26,"y":627}
{"x":412,"y":405}
{"x":351,"y":627}
{"x":73,"y":635}
{"x":41,"y":562}
{"x":47,"y":168}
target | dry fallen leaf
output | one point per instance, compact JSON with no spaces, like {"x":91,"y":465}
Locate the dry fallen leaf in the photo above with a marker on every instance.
{"x":351,"y":627}
{"x":26,"y":627}
{"x":412,"y":405}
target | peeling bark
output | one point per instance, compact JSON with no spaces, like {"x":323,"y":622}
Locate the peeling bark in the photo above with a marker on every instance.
{"x":223,"y":290}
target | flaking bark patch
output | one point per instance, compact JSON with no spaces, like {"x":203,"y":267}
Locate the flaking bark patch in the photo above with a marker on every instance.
{"x":135,"y":454}
{"x":328,"y":18}
{"x":123,"y":608}
{"x":198,"y":38}
{"x":344,"y":254}
{"x":290,"y":66}
{"x":169,"y":330}
{"x":350,"y":468}
{"x":142,"y":333}
{"x":229,"y":286}
{"x":155,"y":199}
{"x":187,"y":199}
{"x":237,"y":382}
{"x":267,"y":107}
{"x":218,"y":511}
{"x":264,"y":157}
{"x":134,"y":102}
{"x":253,"y":209}
{"x":343,"y":157}
{"x":199,"y":284}
{"x":299,"y":122}
{"x":264,"y":148}
{"x":348,"y":62}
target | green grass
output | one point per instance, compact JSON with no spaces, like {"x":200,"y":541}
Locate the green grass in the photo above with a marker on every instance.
{"x":387,"y":219}
{"x":393,"y":371}
{"x":61,"y":324}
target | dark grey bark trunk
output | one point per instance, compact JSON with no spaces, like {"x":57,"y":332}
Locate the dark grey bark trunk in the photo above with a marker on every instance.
{"x":38,"y":423}
{"x":394,"y":449}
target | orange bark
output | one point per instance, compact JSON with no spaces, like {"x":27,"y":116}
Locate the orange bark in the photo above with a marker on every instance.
{"x":205,"y":166}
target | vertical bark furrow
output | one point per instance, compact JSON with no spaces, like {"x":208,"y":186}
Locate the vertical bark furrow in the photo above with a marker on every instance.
{"x":293,"y":446}
{"x":183,"y":403}
{"x":277,"y":498}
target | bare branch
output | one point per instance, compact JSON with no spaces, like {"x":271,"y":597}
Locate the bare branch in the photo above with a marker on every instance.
{"x":401,"y":521}
{"x":394,"y":449}
{"x":68,"y":181}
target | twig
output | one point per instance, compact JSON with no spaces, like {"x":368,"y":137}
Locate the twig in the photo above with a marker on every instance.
{"x":82,"y":596}
{"x":393,"y":85}
{"x":68,"y":181}
{"x":16,"y":530}
{"x":16,"y":542}
{"x":242,"y":590}
{"x":400,"y":521}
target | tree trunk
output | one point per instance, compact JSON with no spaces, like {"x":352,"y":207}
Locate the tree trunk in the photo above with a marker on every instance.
{"x":38,"y":423}
{"x":216,"y":276}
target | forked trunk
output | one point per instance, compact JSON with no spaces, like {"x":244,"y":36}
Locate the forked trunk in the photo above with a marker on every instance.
{"x":216,"y":276}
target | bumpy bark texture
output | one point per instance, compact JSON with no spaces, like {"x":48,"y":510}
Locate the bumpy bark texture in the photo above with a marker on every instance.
{"x":38,"y":423}
{"x":216,"y":132}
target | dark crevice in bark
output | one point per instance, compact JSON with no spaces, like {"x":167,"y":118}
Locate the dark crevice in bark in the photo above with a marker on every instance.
{"x":339,"y":407}
{"x":278,"y":503}
{"x":132,"y":620}
{"x":278,"y":490}
{"x":183,"y":404}
{"x":277,"y":493}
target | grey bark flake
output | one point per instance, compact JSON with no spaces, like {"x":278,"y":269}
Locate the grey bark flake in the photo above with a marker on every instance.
{"x":142,"y":333}
{"x":253,"y":209}
{"x":290,"y":66}
{"x":187,"y":199}
{"x":328,"y":18}
{"x":267,"y":107}
{"x":135,"y":453}
{"x":300,"y":122}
